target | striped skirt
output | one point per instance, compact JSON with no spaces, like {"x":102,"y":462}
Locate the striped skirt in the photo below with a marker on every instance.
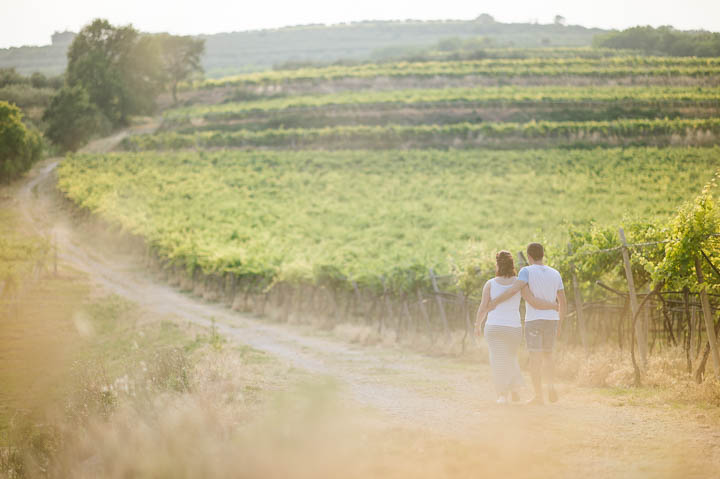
{"x":503,"y":343}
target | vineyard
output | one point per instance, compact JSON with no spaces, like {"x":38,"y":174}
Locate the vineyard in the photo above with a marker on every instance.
{"x":445,"y":106}
{"x":298,"y":215}
{"x":701,"y":132}
{"x":279,"y":252}
{"x":480,"y":98}
{"x":379,"y":192}
{"x":606,"y":68}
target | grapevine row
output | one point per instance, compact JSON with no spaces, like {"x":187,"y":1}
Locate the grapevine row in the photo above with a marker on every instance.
{"x":605,"y":67}
{"x":313,"y":217}
{"x":543,"y":133}
{"x":477,"y":97}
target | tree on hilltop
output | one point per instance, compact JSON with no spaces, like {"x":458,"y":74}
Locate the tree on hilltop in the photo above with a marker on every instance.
{"x":117,"y":67}
{"x":485,"y":19}
{"x":113,"y":73}
{"x":181,"y":58}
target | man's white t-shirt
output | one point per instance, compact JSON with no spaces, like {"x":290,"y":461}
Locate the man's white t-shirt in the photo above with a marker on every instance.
{"x":544,"y":283}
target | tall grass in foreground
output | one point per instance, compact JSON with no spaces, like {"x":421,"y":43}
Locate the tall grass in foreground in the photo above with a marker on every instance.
{"x":170,"y":418}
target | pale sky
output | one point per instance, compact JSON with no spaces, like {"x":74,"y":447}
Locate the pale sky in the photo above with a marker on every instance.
{"x":31,"y":22}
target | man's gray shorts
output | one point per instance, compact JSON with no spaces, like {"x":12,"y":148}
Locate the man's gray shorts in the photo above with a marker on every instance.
{"x":540,"y":335}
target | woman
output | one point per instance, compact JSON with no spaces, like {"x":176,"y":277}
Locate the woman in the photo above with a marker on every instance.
{"x":503,"y":330}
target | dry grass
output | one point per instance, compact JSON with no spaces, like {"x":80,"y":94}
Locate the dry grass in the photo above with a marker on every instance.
{"x":665,"y":380}
{"x":140,"y":384}
{"x":216,"y":428}
{"x":133,"y":395}
{"x":150,"y":399}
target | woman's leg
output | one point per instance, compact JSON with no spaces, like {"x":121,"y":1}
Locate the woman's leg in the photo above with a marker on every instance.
{"x":500,"y":345}
{"x":517,"y":381}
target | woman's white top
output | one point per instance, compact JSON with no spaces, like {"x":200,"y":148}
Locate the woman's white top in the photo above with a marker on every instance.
{"x":506,"y":313}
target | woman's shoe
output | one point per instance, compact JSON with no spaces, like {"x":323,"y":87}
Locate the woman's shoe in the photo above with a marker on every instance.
{"x":502,"y":400}
{"x":515,"y":396}
{"x":552,"y":395}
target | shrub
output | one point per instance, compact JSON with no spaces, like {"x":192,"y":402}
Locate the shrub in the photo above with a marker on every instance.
{"x":26,"y":96}
{"x":20,"y":146}
{"x":72,"y":119}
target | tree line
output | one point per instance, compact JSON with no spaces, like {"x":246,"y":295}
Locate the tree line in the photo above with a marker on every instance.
{"x":113,"y":73}
{"x":663,"y":40}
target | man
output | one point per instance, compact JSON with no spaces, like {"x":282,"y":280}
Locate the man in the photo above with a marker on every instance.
{"x":541,"y":325}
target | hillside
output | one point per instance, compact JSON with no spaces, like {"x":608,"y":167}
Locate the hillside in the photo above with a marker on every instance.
{"x":236,"y":52}
{"x":441,"y":147}
{"x":227,"y":53}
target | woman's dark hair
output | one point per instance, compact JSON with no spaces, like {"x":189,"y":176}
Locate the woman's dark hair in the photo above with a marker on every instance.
{"x":505,"y":264}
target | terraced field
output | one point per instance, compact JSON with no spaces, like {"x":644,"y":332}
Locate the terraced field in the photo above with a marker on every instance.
{"x":449,"y":105}
{"x":301,"y":216}
{"x":699,"y":132}
{"x":499,"y":69}
{"x":262,"y":182}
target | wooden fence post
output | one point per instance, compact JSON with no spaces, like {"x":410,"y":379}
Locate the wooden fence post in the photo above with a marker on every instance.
{"x":468,"y":325}
{"x":578,"y":302}
{"x":640,"y":329}
{"x":521,"y":261}
{"x":707,"y":314}
{"x":439,"y":302}
{"x":408,"y":316}
{"x":426,"y":316}
{"x":382,"y":315}
{"x":689,"y":336}
{"x":358,"y":299}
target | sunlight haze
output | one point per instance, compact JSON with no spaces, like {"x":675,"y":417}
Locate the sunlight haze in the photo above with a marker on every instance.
{"x":21,"y":25}
{"x":359,"y":239}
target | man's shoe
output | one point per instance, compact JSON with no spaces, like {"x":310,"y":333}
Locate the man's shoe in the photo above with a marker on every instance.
{"x":501,"y":400}
{"x":515,"y":396}
{"x":536,"y":401}
{"x":552,"y":395}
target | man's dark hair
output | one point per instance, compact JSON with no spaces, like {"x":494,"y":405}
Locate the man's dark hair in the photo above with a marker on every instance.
{"x":536,"y":251}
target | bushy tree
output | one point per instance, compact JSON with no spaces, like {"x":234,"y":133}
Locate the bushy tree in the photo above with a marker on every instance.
{"x":113,"y":73}
{"x":73,"y":119}
{"x":9,"y":76}
{"x":117,"y":67}
{"x":180,"y":57}
{"x":20,"y":146}
{"x":485,"y":19}
{"x":662,"y":41}
{"x":692,"y":232}
{"x":38,"y":80}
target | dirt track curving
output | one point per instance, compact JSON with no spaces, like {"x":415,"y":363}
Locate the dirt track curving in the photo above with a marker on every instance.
{"x":586,"y":433}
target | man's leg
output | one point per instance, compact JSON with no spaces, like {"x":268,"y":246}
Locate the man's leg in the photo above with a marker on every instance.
{"x":550,"y":334}
{"x":534,"y":341}
{"x":549,"y":372}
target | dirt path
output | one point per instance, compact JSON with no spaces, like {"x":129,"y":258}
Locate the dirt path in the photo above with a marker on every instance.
{"x":585,"y":433}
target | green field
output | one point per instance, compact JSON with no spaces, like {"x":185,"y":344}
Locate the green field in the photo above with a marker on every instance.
{"x":506,"y":96}
{"x":607,"y":68}
{"x":430,"y":106}
{"x":702,"y":132}
{"x":293,"y":215}
{"x":382,"y":170}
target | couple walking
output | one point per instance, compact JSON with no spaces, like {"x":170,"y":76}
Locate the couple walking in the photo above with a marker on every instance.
{"x":545,"y":305}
